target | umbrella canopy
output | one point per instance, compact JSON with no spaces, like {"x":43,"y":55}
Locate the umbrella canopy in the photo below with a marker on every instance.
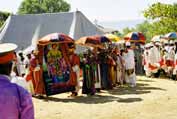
{"x":135,"y":37}
{"x":55,"y":38}
{"x":171,"y":35}
{"x":92,"y":40}
{"x":113,"y":37}
{"x":120,"y":41}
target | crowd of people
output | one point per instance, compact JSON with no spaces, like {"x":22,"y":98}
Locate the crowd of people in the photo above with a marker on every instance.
{"x":97,"y":68}
{"x":160,"y":58}
{"x":100,"y":68}
{"x":107,"y":68}
{"x":26,"y":71}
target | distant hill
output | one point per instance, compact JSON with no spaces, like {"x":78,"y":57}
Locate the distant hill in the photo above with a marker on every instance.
{"x":120,"y":25}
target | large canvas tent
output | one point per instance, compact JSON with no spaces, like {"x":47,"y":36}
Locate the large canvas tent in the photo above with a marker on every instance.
{"x":24,"y":30}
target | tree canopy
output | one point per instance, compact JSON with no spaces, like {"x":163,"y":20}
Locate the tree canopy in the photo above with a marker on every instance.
{"x":43,"y":6}
{"x":164,"y":17}
{"x":3,"y":17}
{"x":160,"y":19}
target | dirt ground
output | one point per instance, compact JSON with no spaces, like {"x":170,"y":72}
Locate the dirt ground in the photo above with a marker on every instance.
{"x":151,"y":99}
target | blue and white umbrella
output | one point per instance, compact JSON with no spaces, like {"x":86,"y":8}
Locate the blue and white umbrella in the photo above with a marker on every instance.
{"x":171,"y":35}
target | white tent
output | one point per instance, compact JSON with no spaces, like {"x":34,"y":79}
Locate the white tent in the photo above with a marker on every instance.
{"x":24,"y":30}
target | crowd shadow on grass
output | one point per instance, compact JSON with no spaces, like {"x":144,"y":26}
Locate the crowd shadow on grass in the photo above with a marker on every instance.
{"x":141,"y":88}
{"x":95,"y":99}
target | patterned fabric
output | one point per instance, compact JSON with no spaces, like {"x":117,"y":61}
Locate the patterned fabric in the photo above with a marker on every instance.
{"x":88,"y":81}
{"x":54,"y":54}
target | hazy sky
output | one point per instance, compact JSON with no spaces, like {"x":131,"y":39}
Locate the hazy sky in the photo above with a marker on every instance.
{"x":102,"y":10}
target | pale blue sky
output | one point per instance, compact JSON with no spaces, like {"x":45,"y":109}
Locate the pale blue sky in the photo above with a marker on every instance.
{"x":102,"y":10}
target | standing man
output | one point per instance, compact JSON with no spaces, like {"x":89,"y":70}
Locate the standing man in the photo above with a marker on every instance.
{"x":170,"y":58}
{"x":154,"y":59}
{"x":148,"y":46}
{"x":119,"y":68}
{"x":130,"y":65}
{"x":75,"y":64}
{"x":15,"y":101}
{"x":29,"y":74}
{"x":21,"y":64}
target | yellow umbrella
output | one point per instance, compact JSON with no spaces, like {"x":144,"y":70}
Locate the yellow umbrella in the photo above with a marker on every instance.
{"x":112,"y":37}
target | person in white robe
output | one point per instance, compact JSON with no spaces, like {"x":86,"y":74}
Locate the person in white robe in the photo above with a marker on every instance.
{"x":170,"y":58}
{"x":175,"y":68}
{"x":130,"y":65}
{"x":154,"y":58}
{"x":174,"y":77}
{"x":164,"y":55}
{"x":148,"y":46}
{"x":21,"y":64}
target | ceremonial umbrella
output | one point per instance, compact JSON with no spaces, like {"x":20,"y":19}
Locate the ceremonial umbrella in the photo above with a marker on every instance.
{"x":94,"y":41}
{"x":157,"y":38}
{"x":66,"y":44}
{"x":112,"y":37}
{"x":171,"y":35}
{"x":55,"y":38}
{"x":136,"y":37}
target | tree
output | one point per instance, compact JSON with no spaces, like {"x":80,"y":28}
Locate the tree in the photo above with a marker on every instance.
{"x":146,"y":28}
{"x":161,"y":19}
{"x":43,"y":6}
{"x":127,"y":30}
{"x":3,"y":17}
{"x":164,"y":17}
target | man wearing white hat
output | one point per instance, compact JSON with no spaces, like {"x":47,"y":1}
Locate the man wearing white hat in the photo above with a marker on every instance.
{"x":21,"y":64}
{"x":174,"y":77}
{"x":129,"y":59}
{"x":164,"y":55}
{"x":155,"y":59}
{"x":15,"y":101}
{"x":148,"y":46}
{"x":170,"y":58}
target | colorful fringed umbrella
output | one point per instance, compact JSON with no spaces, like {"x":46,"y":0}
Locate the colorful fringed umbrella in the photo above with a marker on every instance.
{"x":55,"y":38}
{"x":171,"y":35}
{"x":135,"y":37}
{"x":112,"y":37}
{"x":95,"y":41}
